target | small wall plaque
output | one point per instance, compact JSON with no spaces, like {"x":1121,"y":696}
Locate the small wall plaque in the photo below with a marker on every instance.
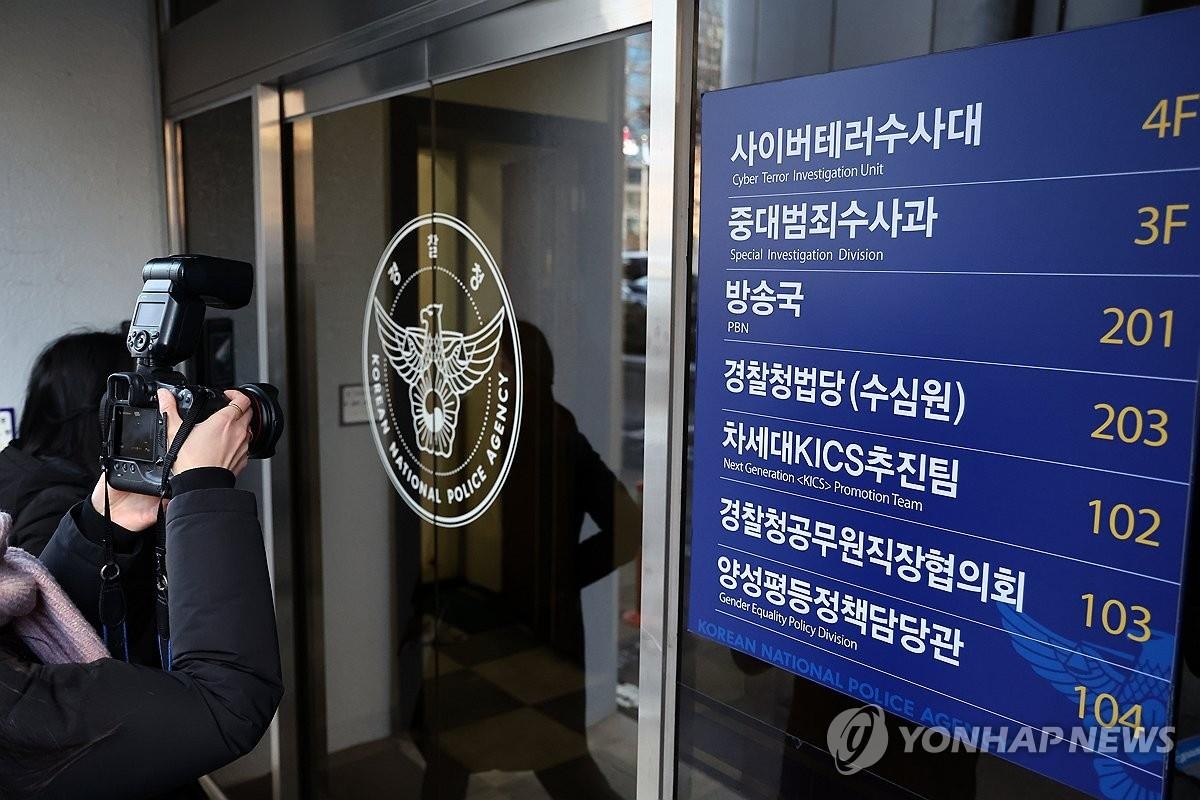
{"x":354,"y":404}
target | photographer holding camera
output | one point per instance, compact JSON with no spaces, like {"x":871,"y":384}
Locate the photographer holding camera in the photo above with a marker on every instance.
{"x":83,"y":715}
{"x":76,"y":723}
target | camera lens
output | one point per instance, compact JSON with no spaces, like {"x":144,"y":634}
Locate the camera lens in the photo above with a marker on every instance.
{"x":266,"y":423}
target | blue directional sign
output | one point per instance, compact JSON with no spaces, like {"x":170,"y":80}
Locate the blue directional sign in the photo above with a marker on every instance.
{"x":946,"y":389}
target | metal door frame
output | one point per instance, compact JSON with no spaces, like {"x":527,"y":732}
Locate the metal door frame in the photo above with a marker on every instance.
{"x":520,"y":33}
{"x":270,"y":307}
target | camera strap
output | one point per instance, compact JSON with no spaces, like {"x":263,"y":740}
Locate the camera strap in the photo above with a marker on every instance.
{"x":161,"y":583}
{"x":162,"y":616}
{"x":112,"y":596}
{"x":111,"y":606}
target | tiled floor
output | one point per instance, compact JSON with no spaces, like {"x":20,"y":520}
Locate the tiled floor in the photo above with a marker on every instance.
{"x":533,"y":676}
{"x":511,"y":710}
{"x":523,"y":739}
{"x":613,"y":744}
{"x":504,"y":719}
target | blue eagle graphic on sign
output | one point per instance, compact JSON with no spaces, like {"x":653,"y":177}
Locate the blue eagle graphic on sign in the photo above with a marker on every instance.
{"x":1067,"y":664}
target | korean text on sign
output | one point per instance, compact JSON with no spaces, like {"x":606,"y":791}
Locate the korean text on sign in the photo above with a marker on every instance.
{"x":936,"y":568}
{"x":916,"y":634}
{"x":829,"y":219}
{"x":863,"y":137}
{"x":915,"y":471}
{"x":935,"y":399}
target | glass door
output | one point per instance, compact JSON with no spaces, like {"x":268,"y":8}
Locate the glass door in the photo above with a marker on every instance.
{"x":468,"y":298}
{"x":216,"y":217}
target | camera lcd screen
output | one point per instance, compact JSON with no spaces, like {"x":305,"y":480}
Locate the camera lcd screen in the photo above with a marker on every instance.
{"x":148,"y":315}
{"x":135,"y":432}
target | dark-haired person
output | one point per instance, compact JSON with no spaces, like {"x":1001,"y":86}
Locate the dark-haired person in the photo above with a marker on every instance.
{"x":75,"y":723}
{"x":55,"y":461}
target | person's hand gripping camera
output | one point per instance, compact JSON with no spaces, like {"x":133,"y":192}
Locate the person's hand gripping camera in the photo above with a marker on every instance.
{"x":222,"y":440}
{"x":166,"y":330}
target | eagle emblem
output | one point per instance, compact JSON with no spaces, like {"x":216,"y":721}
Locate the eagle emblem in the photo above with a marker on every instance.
{"x":439,"y":367}
{"x":1066,"y":664}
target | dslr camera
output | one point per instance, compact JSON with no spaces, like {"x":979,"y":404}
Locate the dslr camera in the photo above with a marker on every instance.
{"x":164,"y":331}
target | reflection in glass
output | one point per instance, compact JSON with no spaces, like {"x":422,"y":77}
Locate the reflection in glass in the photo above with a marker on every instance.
{"x":530,"y":637}
{"x":499,"y":657}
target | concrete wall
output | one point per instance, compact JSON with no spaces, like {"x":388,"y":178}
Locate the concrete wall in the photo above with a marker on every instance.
{"x":81,"y":176}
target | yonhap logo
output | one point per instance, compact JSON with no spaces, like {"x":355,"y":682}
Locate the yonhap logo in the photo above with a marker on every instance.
{"x":442,"y":369}
{"x":857,"y":738}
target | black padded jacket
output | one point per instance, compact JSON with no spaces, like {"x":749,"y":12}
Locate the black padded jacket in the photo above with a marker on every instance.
{"x":112,"y":729}
{"x":37,"y":492}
